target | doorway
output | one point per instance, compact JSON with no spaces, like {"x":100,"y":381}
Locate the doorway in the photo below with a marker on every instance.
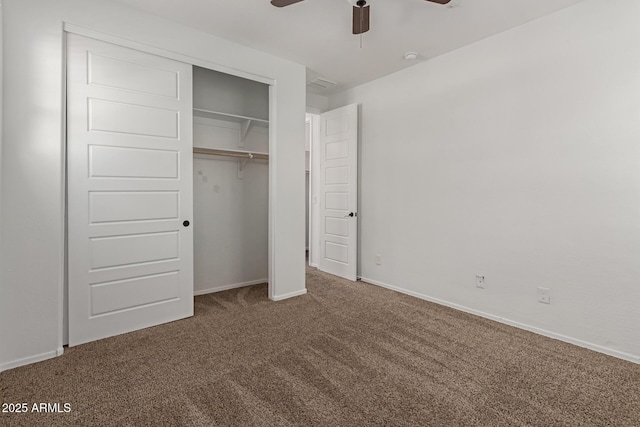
{"x":333,"y":191}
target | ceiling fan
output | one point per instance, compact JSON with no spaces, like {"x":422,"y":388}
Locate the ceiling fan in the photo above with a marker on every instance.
{"x":360,"y":12}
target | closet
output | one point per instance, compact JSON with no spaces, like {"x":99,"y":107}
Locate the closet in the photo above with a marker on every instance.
{"x":167,"y":175}
{"x":230,"y":181}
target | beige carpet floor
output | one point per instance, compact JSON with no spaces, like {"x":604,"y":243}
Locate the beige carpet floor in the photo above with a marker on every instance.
{"x":345,"y":354}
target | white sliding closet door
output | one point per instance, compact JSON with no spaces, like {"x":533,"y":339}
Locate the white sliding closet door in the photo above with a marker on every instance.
{"x":339,"y":191}
{"x":129,"y":151}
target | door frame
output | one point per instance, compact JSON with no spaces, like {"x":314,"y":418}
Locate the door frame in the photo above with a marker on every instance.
{"x":83,"y":31}
{"x":314,"y":172}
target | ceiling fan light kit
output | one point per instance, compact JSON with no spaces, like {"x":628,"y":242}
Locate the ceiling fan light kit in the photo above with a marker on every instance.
{"x":361,"y":12}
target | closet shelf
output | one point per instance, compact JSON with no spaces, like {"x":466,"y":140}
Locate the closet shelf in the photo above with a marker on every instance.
{"x":231,"y":153}
{"x":245,"y":121}
{"x":226,"y":116}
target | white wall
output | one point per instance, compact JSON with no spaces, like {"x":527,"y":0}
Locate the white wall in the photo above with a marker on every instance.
{"x":518,"y":158}
{"x":230,"y":94}
{"x":317,"y":103}
{"x":230,"y":223}
{"x":32,"y":159}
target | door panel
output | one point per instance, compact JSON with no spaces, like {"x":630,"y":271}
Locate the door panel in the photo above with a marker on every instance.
{"x":129,"y":145}
{"x":132,"y":76}
{"x":339,"y":191}
{"x":132,"y":119}
{"x":134,"y":292}
{"x":117,"y":251}
{"x":337,"y":226}
{"x":120,"y":162}
{"x":114,"y":206}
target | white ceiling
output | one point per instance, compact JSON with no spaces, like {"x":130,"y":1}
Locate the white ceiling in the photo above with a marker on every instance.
{"x":317,"y":33}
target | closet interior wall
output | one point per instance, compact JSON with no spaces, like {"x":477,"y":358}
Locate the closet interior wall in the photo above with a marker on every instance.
{"x":230,"y":194}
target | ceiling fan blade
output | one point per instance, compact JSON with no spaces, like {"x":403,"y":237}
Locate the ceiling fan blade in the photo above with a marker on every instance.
{"x":439,"y":1}
{"x":360,"y":19}
{"x":283,"y":3}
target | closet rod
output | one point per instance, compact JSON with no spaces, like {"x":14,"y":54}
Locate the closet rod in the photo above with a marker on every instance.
{"x":230,"y":153}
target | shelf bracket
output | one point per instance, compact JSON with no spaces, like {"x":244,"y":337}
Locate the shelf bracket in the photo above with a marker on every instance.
{"x":242,"y":163}
{"x":245,"y":125}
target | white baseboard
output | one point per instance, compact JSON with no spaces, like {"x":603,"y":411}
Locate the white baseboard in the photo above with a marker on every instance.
{"x":31,"y":359}
{"x":227,"y":287}
{"x":313,"y":264}
{"x":289,"y":295}
{"x":595,"y":347}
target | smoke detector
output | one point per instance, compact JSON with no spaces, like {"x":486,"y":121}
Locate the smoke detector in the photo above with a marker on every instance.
{"x":410,"y":56}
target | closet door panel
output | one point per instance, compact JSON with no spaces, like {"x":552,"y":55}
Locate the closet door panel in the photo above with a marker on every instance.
{"x":110,"y":297}
{"x":108,"y":116}
{"x":132,"y":76}
{"x":122,"y":162}
{"x":129,"y":189}
{"x":117,"y":251}
{"x":116,"y":206}
{"x":106,"y":275}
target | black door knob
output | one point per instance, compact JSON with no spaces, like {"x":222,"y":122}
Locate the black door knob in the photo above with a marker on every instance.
{"x":185,"y":223}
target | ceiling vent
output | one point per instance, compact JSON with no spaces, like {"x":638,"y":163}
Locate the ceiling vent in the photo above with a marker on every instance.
{"x":320,"y":83}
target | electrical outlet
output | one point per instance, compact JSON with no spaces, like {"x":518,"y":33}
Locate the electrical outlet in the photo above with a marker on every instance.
{"x":378,"y":259}
{"x":544,"y":295}
{"x":479,"y":281}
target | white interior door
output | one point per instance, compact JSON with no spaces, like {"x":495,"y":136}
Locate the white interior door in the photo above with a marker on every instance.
{"x":129,"y":151}
{"x":339,"y":191}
